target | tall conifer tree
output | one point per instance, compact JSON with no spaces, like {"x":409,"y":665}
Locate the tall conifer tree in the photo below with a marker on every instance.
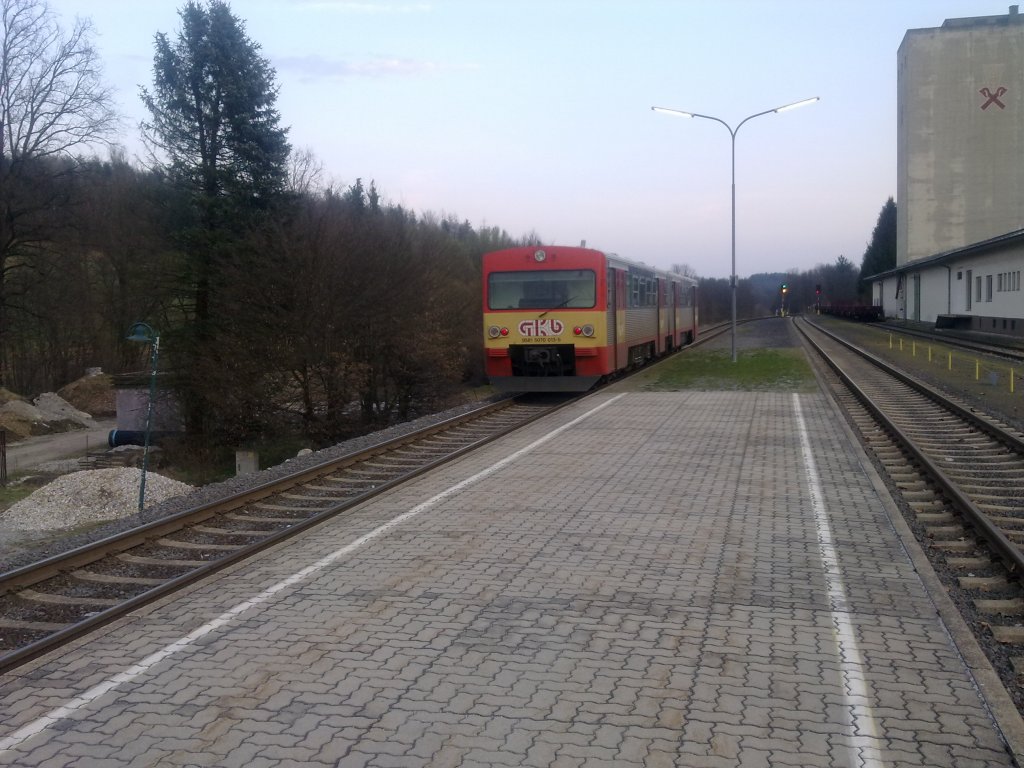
{"x":215,"y":130}
{"x":881,"y":251}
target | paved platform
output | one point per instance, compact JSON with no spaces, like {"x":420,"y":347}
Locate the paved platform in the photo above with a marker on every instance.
{"x":645,"y":579}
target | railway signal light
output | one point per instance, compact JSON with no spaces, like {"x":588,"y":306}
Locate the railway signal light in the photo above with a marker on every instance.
{"x":817,"y":289}
{"x":785,"y":287}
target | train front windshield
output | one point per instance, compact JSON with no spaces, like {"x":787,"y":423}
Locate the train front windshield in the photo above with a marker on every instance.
{"x":542,"y":289}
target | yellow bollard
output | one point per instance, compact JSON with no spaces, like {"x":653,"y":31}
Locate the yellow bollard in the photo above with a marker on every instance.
{"x":1011,"y":381}
{"x":929,"y":353}
{"x":890,"y":341}
{"x":951,"y":361}
{"x":901,"y":345}
{"x":977,"y":370}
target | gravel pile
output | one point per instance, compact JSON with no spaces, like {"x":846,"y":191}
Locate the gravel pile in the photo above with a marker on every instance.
{"x":90,"y":496}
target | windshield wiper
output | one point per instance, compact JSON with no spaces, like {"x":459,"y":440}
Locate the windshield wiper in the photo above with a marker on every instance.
{"x":560,"y":306}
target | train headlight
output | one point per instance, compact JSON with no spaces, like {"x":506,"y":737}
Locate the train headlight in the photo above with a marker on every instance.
{"x":588,"y":330}
{"x":494,"y":332}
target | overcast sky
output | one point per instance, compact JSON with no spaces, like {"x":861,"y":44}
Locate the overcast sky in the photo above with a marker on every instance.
{"x":535,"y":115}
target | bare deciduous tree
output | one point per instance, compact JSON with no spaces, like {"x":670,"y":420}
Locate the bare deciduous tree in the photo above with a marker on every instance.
{"x":52,"y":103}
{"x":305,"y":172}
{"x":52,"y":97}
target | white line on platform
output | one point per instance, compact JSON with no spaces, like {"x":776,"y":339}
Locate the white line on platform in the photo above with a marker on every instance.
{"x":851,"y":664}
{"x":60,"y":713}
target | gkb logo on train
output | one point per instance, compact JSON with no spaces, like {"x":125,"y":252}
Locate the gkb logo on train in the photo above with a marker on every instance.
{"x":542,"y":327}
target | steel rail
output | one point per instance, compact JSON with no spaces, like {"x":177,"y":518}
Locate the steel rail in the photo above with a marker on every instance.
{"x":1011,"y":555}
{"x":62,"y":563}
{"x":19,"y":578}
{"x":1009,"y":440}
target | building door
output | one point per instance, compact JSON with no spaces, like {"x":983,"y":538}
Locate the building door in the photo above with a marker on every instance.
{"x":970,"y":287}
{"x":917,"y":298}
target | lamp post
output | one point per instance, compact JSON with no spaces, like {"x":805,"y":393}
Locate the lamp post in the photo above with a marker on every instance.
{"x":144,"y":333}
{"x":732,"y":133}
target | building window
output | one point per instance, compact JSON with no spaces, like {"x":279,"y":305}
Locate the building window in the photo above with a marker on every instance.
{"x":988,"y":287}
{"x":977,"y":288}
{"x":1008,"y":281}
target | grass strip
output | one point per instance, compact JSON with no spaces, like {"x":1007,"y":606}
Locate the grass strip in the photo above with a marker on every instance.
{"x":759,"y":370}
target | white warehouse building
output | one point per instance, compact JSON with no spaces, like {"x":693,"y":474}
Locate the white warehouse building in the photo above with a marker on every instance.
{"x":960,"y":177}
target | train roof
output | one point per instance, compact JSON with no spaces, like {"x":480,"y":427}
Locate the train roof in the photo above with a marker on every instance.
{"x":612,"y":258}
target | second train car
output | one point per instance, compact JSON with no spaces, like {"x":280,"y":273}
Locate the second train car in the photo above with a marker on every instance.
{"x":559,"y":319}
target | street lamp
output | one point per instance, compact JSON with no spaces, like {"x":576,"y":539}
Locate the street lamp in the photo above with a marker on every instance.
{"x":732,"y":133}
{"x":144,"y":333}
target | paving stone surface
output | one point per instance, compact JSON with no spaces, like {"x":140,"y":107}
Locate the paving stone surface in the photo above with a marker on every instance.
{"x":666,"y":582}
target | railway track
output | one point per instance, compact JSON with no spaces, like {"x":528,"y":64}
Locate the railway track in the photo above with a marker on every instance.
{"x":48,"y":603}
{"x":959,"y":472}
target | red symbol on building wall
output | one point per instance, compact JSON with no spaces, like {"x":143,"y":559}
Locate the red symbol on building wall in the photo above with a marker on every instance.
{"x":993,"y":98}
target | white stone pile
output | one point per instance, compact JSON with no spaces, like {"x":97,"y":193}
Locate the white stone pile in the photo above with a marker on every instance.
{"x":88,"y":497}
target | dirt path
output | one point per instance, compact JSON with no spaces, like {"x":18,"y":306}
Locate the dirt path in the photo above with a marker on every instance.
{"x":25,"y":455}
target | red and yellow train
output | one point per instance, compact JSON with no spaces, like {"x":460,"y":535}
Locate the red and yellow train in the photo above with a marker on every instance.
{"x":560,"y":319}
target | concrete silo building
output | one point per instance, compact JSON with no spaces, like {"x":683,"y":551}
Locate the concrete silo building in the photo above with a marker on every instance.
{"x":960,"y":177}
